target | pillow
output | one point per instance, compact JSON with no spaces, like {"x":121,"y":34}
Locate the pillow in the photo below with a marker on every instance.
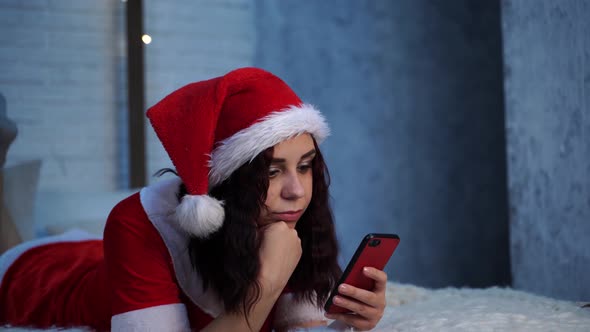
{"x":19,"y":186}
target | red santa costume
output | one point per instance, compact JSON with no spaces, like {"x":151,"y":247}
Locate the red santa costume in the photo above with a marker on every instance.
{"x":140,"y":277}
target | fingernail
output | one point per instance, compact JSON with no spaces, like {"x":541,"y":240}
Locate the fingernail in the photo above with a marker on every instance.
{"x":343,"y":288}
{"x":366,"y":270}
{"x":336,"y":300}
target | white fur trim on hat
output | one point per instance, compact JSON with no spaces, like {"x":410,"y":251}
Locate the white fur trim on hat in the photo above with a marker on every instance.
{"x":200,"y":215}
{"x":245,"y":145}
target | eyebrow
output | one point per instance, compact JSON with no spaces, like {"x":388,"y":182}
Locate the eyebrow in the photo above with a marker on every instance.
{"x":305,"y":155}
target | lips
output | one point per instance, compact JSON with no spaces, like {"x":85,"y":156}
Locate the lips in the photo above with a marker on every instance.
{"x":288,"y":215}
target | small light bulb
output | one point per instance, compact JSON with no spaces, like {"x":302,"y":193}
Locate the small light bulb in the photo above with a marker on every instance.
{"x":146,"y":39}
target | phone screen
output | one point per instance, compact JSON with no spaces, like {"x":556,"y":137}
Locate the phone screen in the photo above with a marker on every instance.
{"x":375,"y":250}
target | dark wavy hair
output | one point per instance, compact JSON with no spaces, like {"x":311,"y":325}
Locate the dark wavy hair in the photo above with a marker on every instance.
{"x":228,"y":260}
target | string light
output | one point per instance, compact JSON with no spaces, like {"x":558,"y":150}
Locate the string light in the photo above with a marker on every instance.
{"x":146,"y":39}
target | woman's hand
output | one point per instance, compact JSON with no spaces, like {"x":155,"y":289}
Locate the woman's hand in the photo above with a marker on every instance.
{"x":367,"y":306}
{"x":280,"y":251}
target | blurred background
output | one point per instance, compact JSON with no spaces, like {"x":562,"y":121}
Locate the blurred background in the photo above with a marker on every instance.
{"x":462,"y":126}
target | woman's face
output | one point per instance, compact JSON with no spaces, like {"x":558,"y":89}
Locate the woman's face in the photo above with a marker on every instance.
{"x":290,"y":181}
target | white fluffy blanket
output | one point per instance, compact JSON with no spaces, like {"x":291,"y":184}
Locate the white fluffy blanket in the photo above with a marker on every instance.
{"x":412,"y":308}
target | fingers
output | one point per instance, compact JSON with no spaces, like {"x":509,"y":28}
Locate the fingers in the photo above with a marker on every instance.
{"x":276,"y":226}
{"x":361,"y":295}
{"x":379,"y":276}
{"x":358,"y":307}
{"x":363,"y":316}
{"x":358,"y":322}
{"x":375,"y":297}
{"x":367,"y":305}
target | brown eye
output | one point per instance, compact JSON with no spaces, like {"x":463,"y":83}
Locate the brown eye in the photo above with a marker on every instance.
{"x":304,"y":168}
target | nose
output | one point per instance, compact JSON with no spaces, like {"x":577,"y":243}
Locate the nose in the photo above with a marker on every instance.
{"x":292,"y":188}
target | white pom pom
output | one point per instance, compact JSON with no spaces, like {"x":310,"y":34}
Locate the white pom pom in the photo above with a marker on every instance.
{"x":200,"y":215}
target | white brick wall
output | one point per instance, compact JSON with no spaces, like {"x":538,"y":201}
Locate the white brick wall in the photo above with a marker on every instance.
{"x":192,"y":41}
{"x":63,"y":73}
{"x":58,"y":71}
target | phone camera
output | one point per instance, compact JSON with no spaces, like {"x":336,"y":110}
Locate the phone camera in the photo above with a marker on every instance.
{"x":374,"y":242}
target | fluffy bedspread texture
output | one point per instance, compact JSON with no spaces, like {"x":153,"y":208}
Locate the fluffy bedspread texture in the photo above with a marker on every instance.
{"x":411,"y":308}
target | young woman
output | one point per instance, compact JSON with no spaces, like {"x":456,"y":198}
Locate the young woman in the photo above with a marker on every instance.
{"x":242,"y":239}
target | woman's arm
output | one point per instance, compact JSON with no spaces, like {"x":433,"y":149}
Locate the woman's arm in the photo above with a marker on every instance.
{"x":140,"y":273}
{"x":280,"y":251}
{"x":237,"y":321}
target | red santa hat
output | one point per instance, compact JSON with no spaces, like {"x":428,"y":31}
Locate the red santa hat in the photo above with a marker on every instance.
{"x":211,"y":128}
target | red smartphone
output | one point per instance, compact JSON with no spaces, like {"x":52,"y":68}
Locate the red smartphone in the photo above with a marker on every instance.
{"x":374,"y":251}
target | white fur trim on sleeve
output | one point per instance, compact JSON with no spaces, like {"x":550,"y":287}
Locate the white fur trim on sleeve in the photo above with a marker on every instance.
{"x":290,"y":313}
{"x":276,"y":127}
{"x":168,"y":317}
